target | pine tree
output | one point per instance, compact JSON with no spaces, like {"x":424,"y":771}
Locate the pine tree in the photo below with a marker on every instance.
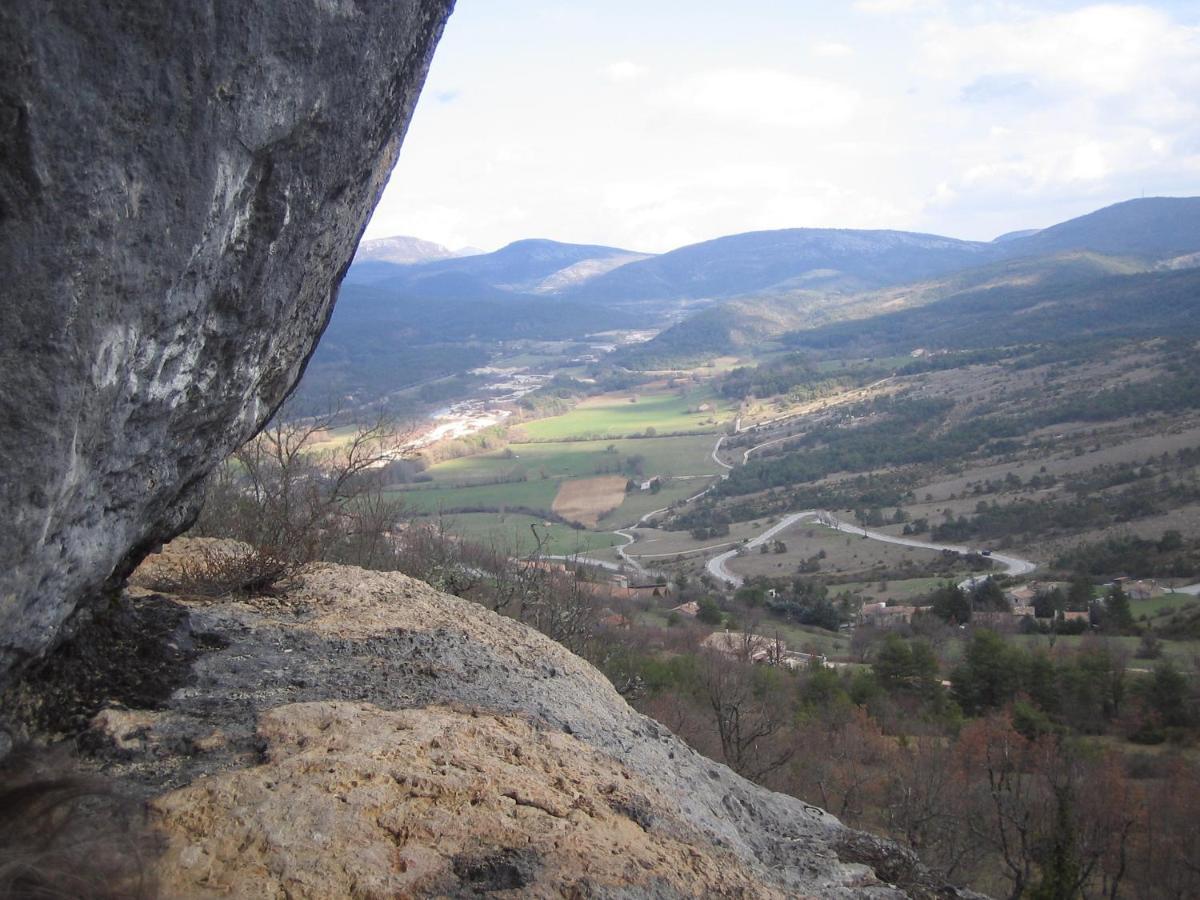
{"x":1118,"y":616}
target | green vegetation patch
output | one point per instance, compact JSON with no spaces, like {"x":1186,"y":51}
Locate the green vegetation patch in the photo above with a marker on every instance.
{"x":680,"y":455}
{"x":631,"y":414}
{"x":537,"y":494}
{"x":511,"y":533}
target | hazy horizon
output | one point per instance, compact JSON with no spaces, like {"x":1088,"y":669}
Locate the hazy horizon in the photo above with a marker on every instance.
{"x":655,"y":128}
{"x":480,"y":250}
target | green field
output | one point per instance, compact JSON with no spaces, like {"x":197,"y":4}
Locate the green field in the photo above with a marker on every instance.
{"x":511,"y":532}
{"x":1156,"y":606}
{"x":906,"y":589}
{"x":615,"y":416}
{"x":638,"y":504}
{"x":684,"y":455}
{"x":537,"y":493}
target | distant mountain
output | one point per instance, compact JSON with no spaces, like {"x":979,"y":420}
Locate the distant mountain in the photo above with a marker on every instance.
{"x":1014,"y":235}
{"x":733,"y":325}
{"x":1146,"y":304}
{"x":1153,"y":228}
{"x":1127,"y":268}
{"x":805,"y":258}
{"x":520,"y":267}
{"x":585,"y":270}
{"x":401,"y":250}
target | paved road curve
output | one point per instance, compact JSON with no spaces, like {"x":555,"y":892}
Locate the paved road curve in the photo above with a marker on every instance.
{"x":717,"y":565}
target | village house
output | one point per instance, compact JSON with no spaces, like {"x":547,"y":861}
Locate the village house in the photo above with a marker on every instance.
{"x":757,"y":648}
{"x":1025,"y":594}
{"x":691,"y":609}
{"x":1139,"y":589}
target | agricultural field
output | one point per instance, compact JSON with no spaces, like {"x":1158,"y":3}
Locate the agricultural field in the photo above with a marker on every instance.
{"x":493,"y":481}
{"x":1167,"y":603}
{"x":640,"y":503}
{"x":632,"y":412}
{"x":899,"y":590}
{"x":536,"y":494}
{"x":682,"y":455}
{"x":585,"y":500}
{"x":511,"y":532}
{"x":657,"y":545}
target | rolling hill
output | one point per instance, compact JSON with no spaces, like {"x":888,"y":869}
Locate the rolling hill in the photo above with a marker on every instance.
{"x":1124,"y":239}
{"x":1144,"y":304}
{"x":801,"y":258}
{"x":1152,"y":229}
{"x":1122,"y":269}
{"x":519,"y":267}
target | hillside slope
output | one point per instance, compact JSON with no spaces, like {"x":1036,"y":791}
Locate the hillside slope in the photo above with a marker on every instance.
{"x":1138,"y":305}
{"x":1153,"y":228}
{"x":740,"y":322}
{"x":800,"y":257}
{"x":523,"y":265}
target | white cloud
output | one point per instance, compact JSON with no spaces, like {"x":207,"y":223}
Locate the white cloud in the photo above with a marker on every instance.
{"x":832,"y":50}
{"x":1104,"y":49}
{"x":766,"y":97}
{"x":889,"y":7}
{"x":626,"y":126}
{"x":623,"y":70}
{"x":1047,"y":105}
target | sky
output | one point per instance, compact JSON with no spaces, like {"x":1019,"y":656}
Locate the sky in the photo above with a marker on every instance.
{"x":653,"y":124}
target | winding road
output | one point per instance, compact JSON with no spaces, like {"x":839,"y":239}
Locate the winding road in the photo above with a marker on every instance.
{"x":717,"y":567}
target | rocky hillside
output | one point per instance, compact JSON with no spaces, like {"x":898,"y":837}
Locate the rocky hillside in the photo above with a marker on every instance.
{"x":364,"y":735}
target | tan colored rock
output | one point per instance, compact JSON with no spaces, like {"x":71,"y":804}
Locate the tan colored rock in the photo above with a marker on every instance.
{"x":125,"y":729}
{"x":358,"y":801}
{"x":367,"y":736}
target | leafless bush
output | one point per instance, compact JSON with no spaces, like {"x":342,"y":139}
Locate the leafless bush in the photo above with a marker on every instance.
{"x":294,"y":497}
{"x":222,"y":571}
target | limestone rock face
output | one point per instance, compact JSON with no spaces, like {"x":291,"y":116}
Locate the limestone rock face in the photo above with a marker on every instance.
{"x":182,"y":186}
{"x":364,"y":735}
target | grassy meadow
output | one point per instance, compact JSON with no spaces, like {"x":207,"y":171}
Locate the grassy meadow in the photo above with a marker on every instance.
{"x":511,"y":532}
{"x":629,"y":413}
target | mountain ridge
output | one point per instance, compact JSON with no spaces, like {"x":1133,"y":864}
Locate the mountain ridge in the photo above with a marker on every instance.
{"x":820,"y":259}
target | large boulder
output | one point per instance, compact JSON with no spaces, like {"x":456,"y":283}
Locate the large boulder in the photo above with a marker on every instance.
{"x":361,"y":734}
{"x":182,"y":186}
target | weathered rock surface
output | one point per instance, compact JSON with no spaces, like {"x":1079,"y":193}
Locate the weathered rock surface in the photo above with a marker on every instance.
{"x":182,"y":186}
{"x":366,"y":736}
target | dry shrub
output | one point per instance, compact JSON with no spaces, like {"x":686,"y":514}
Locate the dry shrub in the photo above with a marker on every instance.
{"x":242,"y":571}
{"x":207,"y":567}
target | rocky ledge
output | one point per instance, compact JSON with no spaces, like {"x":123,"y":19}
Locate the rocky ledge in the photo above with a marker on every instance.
{"x":364,"y":735}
